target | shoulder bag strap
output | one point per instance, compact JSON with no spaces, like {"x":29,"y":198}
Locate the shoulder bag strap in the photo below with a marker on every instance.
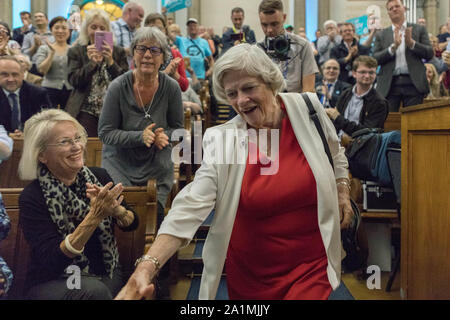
{"x":315,"y":118}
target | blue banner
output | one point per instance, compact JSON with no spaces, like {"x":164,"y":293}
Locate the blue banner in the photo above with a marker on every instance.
{"x":175,"y":5}
{"x":360,"y":24}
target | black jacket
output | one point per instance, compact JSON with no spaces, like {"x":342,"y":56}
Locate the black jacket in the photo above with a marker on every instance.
{"x":47,"y":261}
{"x":373,"y":113}
{"x":227,"y":42}
{"x":340,"y":52}
{"x":339,"y":88}
{"x":32,"y":99}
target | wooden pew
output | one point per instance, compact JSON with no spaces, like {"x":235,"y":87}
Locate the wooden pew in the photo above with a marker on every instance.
{"x":15,"y":250}
{"x":9,"y":177}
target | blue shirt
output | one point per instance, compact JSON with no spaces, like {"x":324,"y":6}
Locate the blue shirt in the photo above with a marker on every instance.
{"x":5,"y":139}
{"x":197,"y":50}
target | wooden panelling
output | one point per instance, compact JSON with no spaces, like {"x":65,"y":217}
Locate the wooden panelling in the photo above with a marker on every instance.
{"x":425,"y":221}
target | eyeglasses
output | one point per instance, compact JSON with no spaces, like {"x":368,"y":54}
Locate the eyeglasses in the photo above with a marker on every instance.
{"x":68,"y":142}
{"x":141,"y":50}
{"x":370,"y":73}
{"x":3,"y":32}
{"x":331,"y":68}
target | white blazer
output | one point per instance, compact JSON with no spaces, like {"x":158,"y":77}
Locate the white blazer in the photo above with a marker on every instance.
{"x":218,"y":185}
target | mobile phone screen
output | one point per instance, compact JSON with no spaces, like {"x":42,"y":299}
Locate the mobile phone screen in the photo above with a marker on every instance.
{"x":101,"y":36}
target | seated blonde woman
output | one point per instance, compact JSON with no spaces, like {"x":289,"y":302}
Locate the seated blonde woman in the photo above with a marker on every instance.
{"x":68,"y":213}
{"x":437,"y":89}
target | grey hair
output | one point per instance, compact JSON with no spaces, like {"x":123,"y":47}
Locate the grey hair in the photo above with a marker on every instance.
{"x":152,"y":34}
{"x":36,"y":135}
{"x":26,"y":59}
{"x":83,"y":38}
{"x":252,"y":60}
{"x":334,"y":23}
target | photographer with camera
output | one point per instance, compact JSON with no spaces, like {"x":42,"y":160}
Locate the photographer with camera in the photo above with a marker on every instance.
{"x":239,"y":32}
{"x":292,"y":53}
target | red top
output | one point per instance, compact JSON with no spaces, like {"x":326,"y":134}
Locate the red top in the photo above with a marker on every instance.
{"x":183,"y":80}
{"x":276,"y":250}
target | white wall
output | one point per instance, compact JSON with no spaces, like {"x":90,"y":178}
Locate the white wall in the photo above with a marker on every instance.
{"x":342,"y":10}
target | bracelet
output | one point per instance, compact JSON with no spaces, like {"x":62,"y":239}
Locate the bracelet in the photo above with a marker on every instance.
{"x":149,"y":258}
{"x":345,"y":183}
{"x":70,"y":248}
{"x":120,"y":216}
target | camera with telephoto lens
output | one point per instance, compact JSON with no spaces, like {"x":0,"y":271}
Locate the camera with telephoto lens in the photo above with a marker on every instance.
{"x":278,"y":47}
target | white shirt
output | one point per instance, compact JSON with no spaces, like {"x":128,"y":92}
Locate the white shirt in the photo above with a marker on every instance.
{"x":401,"y":67}
{"x":354,"y":107}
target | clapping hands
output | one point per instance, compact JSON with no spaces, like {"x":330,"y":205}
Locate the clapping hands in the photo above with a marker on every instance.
{"x":158,"y":137}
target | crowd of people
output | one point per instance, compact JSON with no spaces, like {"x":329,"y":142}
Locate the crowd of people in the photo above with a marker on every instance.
{"x":60,"y":86}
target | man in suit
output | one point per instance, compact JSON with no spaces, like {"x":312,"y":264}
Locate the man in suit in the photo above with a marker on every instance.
{"x":19,"y":100}
{"x":399,"y":50}
{"x":330,"y":87}
{"x":20,"y":32}
{"x":347,"y":51}
{"x":239,"y":32}
{"x":360,"y":106}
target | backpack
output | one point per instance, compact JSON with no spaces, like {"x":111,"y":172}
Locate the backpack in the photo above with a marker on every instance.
{"x":362,"y":153}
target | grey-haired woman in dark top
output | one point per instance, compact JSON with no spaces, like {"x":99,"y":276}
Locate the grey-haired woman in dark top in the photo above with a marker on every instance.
{"x":141,"y":110}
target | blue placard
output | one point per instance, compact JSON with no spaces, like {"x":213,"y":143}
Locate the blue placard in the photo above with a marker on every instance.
{"x":175,"y":5}
{"x":360,"y":24}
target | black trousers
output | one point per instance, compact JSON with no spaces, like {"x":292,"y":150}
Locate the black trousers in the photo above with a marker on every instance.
{"x":92,"y":288}
{"x":58,"y":97}
{"x":403,"y":90}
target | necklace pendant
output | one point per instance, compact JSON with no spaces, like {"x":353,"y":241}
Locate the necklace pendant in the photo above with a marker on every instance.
{"x":147,"y":116}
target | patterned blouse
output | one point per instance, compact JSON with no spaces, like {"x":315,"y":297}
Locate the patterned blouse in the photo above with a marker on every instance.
{"x":5,"y":272}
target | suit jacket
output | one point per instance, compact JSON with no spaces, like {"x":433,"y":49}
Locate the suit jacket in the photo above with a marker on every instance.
{"x":340,"y":52}
{"x":417,"y":71}
{"x":32,"y":99}
{"x":373,"y":113}
{"x":228,"y":42}
{"x":218,"y":185}
{"x":81,"y":70}
{"x":339,"y":88}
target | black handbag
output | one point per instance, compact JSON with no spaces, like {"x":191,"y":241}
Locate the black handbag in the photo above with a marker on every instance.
{"x":362,"y":153}
{"x":354,"y":259}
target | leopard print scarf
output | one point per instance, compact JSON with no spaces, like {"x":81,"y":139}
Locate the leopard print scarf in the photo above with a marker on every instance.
{"x":68,"y":206}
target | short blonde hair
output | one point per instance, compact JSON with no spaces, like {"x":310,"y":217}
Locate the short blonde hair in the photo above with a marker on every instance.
{"x":36,"y":135}
{"x":252,"y":60}
{"x":83,"y":38}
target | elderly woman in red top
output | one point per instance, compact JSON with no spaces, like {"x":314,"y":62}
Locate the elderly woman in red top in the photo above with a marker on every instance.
{"x":278,"y":210}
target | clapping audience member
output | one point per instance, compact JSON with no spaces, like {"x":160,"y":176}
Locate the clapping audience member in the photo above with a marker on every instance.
{"x":8,"y":47}
{"x":91,"y":71}
{"x":174,"y":66}
{"x":141,"y":110}
{"x":51,"y":61}
{"x":34,"y":39}
{"x":437,"y":89}
{"x":331,"y":39}
{"x":20,"y":32}
{"x":330,"y":87}
{"x":68,"y":213}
